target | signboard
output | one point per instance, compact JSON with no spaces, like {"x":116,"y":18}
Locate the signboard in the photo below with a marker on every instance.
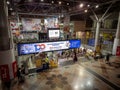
{"x":30,"y":48}
{"x":54,"y":33}
{"x":14,"y":66}
{"x":118,"y":51}
{"x":14,"y":27}
{"x":4,"y":71}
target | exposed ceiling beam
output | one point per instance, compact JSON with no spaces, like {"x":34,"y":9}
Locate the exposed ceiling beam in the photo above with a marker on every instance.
{"x":56,"y":14}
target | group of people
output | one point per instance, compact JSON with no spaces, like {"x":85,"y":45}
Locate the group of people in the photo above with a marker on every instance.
{"x":75,"y":53}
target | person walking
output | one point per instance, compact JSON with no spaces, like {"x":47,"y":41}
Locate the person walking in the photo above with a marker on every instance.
{"x":108,"y":58}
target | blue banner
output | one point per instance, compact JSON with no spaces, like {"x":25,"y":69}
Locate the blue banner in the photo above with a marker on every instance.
{"x":74,"y":44}
{"x":31,"y":48}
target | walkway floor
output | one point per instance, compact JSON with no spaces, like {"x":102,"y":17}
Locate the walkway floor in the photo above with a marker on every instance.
{"x":109,"y":72}
{"x":82,"y":75}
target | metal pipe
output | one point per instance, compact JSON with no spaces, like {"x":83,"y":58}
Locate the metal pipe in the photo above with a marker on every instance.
{"x":107,"y":10}
{"x":56,"y":14}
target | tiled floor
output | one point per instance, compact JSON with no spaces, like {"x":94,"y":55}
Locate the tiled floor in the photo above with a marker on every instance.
{"x":70,"y":77}
{"x":110,"y":72}
{"x":74,"y":76}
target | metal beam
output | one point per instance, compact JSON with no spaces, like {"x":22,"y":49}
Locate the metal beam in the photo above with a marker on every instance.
{"x":75,"y":12}
{"x":107,"y":10}
{"x":54,"y":14}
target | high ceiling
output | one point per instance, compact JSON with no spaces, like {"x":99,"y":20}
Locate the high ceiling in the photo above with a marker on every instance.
{"x":61,"y":7}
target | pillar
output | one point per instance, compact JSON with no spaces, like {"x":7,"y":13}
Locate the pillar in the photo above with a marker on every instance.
{"x":97,"y":43}
{"x":117,"y":37}
{"x":7,"y":58}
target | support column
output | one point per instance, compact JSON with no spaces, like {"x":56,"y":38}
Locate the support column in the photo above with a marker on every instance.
{"x":117,"y":37}
{"x":97,"y":44}
{"x":7,"y":59}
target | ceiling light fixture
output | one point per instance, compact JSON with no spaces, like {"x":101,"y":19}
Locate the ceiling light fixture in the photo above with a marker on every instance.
{"x":60,"y":2}
{"x":67,"y":3}
{"x":8,"y":2}
{"x":42,"y":0}
{"x":86,"y":11}
{"x":81,"y":5}
{"x":96,"y":6}
{"x":88,"y":5}
{"x":52,"y":1}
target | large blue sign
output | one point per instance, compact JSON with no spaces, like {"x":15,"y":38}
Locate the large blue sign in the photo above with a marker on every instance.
{"x":30,"y":48}
{"x":74,"y":44}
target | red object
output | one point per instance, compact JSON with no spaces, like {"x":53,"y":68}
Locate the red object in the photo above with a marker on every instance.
{"x":42,"y":46}
{"x":14,"y":66}
{"x":118,"y":51}
{"x":4,"y":71}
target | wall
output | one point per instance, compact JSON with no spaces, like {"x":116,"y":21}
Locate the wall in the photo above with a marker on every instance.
{"x":79,"y":26}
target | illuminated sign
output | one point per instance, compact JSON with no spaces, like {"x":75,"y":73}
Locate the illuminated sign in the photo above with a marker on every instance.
{"x":54,"y":32}
{"x":30,"y":48}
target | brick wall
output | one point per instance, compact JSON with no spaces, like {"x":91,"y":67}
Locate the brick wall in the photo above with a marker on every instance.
{"x":79,"y":25}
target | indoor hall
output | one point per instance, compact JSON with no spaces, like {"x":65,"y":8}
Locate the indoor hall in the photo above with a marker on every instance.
{"x":59,"y":44}
{"x":72,"y":77}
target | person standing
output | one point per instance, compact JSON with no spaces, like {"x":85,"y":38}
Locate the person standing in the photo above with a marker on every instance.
{"x":18,"y":74}
{"x":47,"y":62}
{"x":108,"y":58}
{"x":23,"y":69}
{"x":75,"y":57}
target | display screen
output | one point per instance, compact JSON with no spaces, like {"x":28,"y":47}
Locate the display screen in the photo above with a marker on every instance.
{"x":54,"y":33}
{"x":30,"y":48}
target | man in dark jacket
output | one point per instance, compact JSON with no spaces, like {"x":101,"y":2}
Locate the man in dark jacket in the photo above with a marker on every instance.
{"x":108,"y":58}
{"x":18,"y":74}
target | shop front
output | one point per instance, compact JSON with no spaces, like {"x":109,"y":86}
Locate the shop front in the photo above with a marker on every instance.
{"x":44,"y":55}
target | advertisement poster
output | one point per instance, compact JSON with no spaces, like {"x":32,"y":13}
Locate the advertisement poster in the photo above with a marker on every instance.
{"x":31,"y":48}
{"x":4,"y":71}
{"x":118,"y":51}
{"x":14,"y":27}
{"x":30,"y":24}
{"x":51,"y":23}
